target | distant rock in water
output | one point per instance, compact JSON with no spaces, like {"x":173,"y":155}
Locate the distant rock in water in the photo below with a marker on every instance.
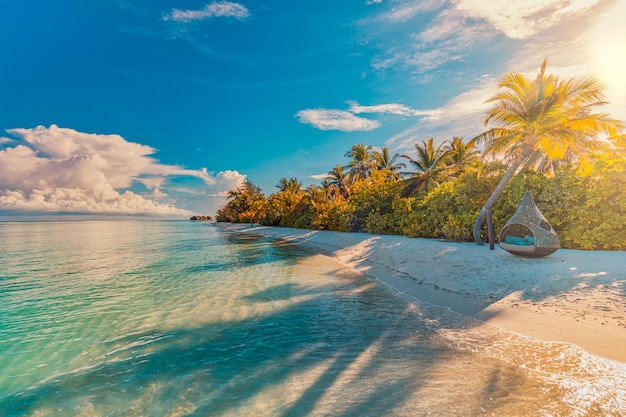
{"x":201,"y":218}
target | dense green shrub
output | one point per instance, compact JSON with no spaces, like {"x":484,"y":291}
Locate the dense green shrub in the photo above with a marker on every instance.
{"x":590,"y":212}
{"x":404,"y":219}
{"x":246,"y":205}
{"x":338,"y":216}
{"x":450,"y":210}
{"x":372,"y":199}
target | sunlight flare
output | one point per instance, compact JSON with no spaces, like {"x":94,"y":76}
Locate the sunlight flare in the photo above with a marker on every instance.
{"x":608,"y":52}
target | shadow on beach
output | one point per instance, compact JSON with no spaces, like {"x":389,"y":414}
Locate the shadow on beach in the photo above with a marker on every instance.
{"x":463,"y":276}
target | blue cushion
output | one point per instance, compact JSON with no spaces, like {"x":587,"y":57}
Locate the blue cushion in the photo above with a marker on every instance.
{"x":522,"y":241}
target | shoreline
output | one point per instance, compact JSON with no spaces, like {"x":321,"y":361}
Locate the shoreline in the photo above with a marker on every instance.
{"x":571,"y":296}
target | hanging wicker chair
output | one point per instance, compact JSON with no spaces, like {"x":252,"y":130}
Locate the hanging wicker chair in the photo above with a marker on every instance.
{"x":528,"y":233}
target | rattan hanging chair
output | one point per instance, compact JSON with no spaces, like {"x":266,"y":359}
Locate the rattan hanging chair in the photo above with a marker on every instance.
{"x":528,"y":233}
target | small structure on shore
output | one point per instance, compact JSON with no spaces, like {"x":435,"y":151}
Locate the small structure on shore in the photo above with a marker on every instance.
{"x":528,"y":233}
{"x":201,"y":218}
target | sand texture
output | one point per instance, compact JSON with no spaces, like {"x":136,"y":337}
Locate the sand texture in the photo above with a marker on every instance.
{"x":570,"y":296}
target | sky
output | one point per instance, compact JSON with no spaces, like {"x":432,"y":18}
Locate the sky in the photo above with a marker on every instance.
{"x":158,"y":107}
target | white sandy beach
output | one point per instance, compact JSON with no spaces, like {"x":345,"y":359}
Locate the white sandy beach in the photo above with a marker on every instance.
{"x":570,"y":296}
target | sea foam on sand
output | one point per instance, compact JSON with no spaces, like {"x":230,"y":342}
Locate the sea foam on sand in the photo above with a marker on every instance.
{"x":571,"y":296}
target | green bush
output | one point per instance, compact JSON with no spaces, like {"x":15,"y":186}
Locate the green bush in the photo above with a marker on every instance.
{"x":590,"y":212}
{"x":450,"y":210}
{"x":371,"y":198}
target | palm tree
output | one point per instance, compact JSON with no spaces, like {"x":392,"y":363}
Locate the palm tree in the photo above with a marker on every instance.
{"x":542,"y":122}
{"x":462,"y":155}
{"x":338,"y":182}
{"x":290,"y":192}
{"x":247,"y":188}
{"x":246,"y":203}
{"x":387,"y":164}
{"x":362,"y":163}
{"x":291,"y":185}
{"x":429,"y":166}
{"x":315,"y":195}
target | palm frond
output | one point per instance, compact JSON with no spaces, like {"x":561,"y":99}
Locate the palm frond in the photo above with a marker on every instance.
{"x":549,"y":115}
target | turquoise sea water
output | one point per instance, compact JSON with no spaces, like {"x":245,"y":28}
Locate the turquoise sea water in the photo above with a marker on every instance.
{"x":174,"y":318}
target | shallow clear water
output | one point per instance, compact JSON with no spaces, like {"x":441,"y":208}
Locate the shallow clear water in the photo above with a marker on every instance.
{"x":162,"y":318}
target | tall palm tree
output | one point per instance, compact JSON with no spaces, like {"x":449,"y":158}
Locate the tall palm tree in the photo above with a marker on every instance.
{"x":291,"y":185}
{"x":338,"y":182}
{"x":362,"y":163}
{"x":462,"y":155}
{"x":388,"y":164}
{"x":429,"y":166}
{"x":542,"y":122}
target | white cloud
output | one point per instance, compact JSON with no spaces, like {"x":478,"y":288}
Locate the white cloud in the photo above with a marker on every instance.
{"x":228,"y":180}
{"x":390,"y":108}
{"x":462,"y":116}
{"x":448,"y":35}
{"x":409,"y":9}
{"x":380,"y":64}
{"x":346,"y":121}
{"x":319,"y":176}
{"x":62,"y":170}
{"x":524,"y":18}
{"x":118,"y":160}
{"x":453,"y":29}
{"x":462,"y":25}
{"x":325,"y":119}
{"x":431,"y":59}
{"x":213,"y":10}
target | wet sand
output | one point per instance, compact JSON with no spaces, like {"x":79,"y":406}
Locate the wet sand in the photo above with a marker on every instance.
{"x":571,"y":296}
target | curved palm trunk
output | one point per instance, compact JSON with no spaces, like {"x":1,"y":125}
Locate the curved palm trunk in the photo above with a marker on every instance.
{"x":493,"y":198}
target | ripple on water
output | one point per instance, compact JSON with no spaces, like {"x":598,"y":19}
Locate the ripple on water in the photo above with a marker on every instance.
{"x":174,"y":318}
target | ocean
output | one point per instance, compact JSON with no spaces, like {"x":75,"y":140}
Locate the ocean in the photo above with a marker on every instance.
{"x":178,"y":318}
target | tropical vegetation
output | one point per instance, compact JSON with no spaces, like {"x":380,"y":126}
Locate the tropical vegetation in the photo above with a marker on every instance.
{"x":545,"y":138}
{"x":543,"y":123}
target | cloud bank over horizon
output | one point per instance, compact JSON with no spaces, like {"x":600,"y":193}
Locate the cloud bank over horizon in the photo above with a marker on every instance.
{"x":60,"y":170}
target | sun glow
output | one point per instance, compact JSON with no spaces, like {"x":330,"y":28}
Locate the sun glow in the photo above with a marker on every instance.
{"x":609,"y":53}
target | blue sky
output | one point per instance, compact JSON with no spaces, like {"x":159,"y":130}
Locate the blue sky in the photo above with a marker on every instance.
{"x":155,"y":107}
